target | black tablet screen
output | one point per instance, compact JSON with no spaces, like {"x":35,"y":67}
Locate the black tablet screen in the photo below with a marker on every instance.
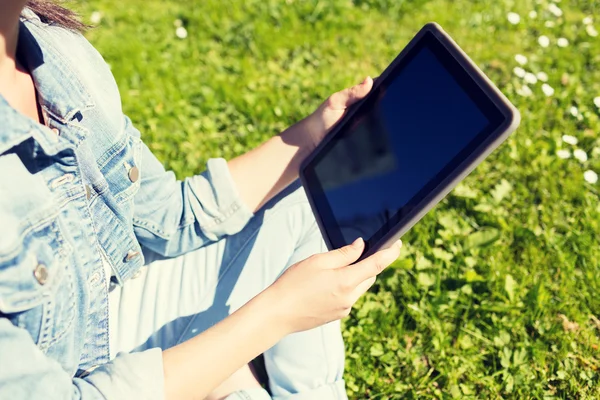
{"x":414,"y":125}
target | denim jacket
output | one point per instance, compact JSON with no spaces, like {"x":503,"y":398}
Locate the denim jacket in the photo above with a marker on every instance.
{"x":82,"y":188}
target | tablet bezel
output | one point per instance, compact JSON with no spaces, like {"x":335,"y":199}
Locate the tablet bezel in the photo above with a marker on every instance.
{"x":508,"y":119}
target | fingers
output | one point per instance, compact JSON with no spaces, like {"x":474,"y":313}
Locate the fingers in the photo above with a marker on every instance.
{"x":373,"y":265}
{"x":363,"y":287}
{"x":343,"y":256}
{"x":345,"y":98}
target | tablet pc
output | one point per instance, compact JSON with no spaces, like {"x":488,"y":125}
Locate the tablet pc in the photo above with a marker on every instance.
{"x":430,"y":119}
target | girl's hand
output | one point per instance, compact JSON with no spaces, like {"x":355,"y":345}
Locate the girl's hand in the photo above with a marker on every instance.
{"x":319,"y":123}
{"x":324,"y":287}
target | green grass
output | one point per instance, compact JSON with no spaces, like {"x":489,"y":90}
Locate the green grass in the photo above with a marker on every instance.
{"x":497,"y":292}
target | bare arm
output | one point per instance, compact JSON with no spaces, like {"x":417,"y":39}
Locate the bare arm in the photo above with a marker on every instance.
{"x":194,"y":368}
{"x":315,"y":291}
{"x":311,"y":293}
{"x":263,"y":172}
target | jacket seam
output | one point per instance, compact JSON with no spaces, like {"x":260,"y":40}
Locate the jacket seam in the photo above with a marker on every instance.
{"x":215,"y":221}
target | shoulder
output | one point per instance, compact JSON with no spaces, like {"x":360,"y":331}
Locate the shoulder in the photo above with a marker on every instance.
{"x":73,"y":56}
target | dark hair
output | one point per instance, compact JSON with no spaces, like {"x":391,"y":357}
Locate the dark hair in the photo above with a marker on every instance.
{"x":51,"y":12}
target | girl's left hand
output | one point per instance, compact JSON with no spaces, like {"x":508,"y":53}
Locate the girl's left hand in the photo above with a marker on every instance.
{"x":319,"y":123}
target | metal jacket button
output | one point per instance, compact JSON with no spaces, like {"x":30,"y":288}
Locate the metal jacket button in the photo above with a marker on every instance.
{"x":56,"y":133}
{"x":41,"y":273}
{"x":131,"y":254}
{"x":136,"y":274}
{"x":134,"y":174}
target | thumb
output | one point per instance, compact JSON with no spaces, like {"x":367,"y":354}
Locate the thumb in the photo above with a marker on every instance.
{"x":345,"y":98}
{"x":373,"y":265}
{"x":343,"y":256}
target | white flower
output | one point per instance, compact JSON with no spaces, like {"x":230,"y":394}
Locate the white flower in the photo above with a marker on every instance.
{"x":574,"y":111}
{"x":591,"y":30}
{"x":520,"y":72}
{"x":542,"y":76}
{"x":580,"y":155}
{"x":597,"y":101}
{"x":562,"y":42}
{"x":96,"y":17}
{"x":181,"y":32}
{"x":549,"y":24}
{"x":532,"y":14}
{"x":521,"y":59}
{"x":590,"y":176}
{"x":530,"y":78}
{"x":572,"y":140}
{"x":513,"y":18}
{"x":525,"y":91}
{"x":544,"y":41}
{"x":587,"y":21}
{"x":564,"y":154}
{"x":554,"y":9}
{"x":547,"y":89}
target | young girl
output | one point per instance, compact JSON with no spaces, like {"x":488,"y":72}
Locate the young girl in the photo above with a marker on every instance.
{"x":119,"y":282}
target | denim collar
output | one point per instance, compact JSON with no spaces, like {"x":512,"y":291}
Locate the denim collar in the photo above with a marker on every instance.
{"x":62,"y":96}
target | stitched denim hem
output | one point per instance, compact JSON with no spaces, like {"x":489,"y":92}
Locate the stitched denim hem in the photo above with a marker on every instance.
{"x":249,"y":394}
{"x":333,"y":391}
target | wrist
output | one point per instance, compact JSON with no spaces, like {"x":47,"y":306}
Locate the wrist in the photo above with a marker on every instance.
{"x":300,"y":136}
{"x":276,"y":315}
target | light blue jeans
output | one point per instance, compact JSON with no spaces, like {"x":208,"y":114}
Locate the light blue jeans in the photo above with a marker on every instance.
{"x":174,"y":299}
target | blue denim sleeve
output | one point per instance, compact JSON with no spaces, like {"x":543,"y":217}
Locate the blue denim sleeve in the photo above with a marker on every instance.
{"x":32,"y":375}
{"x":172,"y":217}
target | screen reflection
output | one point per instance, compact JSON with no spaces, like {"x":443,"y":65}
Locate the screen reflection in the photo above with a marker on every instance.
{"x":422,"y":120}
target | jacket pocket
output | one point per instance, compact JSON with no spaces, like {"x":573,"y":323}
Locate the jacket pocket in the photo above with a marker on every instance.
{"x":36,"y":286}
{"x":122,"y":170}
{"x":37,"y":290}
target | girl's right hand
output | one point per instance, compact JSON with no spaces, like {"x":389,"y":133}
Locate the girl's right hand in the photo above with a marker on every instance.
{"x":324,"y":287}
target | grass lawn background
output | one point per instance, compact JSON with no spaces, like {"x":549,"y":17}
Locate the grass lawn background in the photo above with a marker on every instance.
{"x":497,"y":292}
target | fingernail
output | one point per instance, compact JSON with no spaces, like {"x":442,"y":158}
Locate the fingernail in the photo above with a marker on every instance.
{"x":357,"y":242}
{"x":365,"y":81}
{"x":398,"y":243}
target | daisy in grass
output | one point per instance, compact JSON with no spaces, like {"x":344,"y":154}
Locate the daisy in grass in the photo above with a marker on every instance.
{"x":590,"y":176}
{"x":580,"y":155}
{"x":554,"y":9}
{"x":524,"y":91}
{"x":548,"y":90}
{"x":513,"y":18}
{"x":521,"y":59}
{"x":96,"y":17}
{"x":564,"y":154}
{"x":573,"y":111}
{"x":520,"y":72}
{"x":542,"y":76}
{"x":572,"y":140}
{"x":530,"y":78}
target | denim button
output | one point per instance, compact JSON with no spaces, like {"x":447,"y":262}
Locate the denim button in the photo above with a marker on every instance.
{"x":41,"y":273}
{"x":131,"y":254}
{"x":134,"y":174}
{"x":95,"y":277}
{"x":88,"y":371}
{"x":136,"y":274}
